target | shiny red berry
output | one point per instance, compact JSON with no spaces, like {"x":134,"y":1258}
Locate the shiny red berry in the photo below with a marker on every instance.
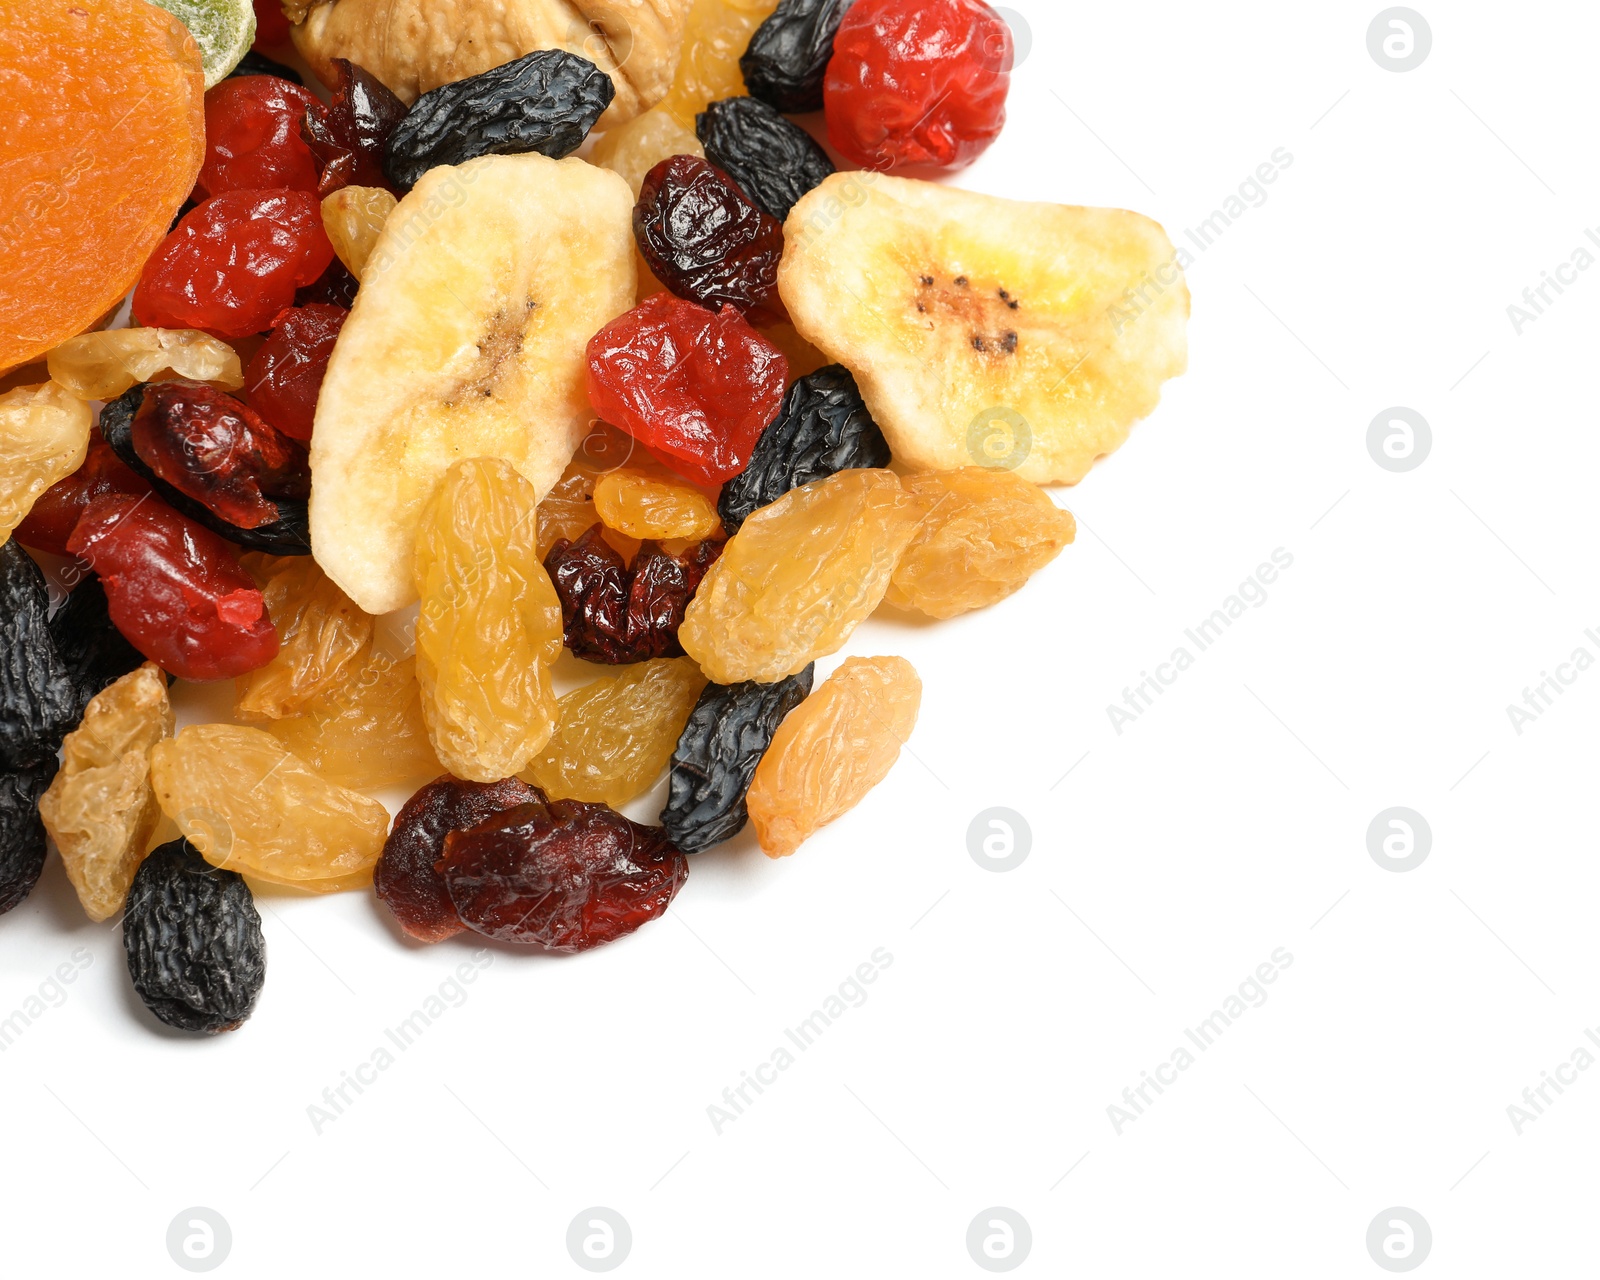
{"x":272,"y":25}
{"x":253,"y":137}
{"x":284,"y":377}
{"x":918,"y":82}
{"x":57,"y":510}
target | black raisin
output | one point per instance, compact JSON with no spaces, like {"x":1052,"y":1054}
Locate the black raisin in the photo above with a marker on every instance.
{"x":729,"y":730}
{"x":256,"y":64}
{"x":823,"y":427}
{"x":193,"y":941}
{"x":787,"y":58}
{"x":706,"y":240}
{"x":546,"y":101}
{"x":38,"y":703}
{"x":22,"y":843}
{"x":773,"y":159}
{"x":288,"y":535}
{"x":95,"y":652}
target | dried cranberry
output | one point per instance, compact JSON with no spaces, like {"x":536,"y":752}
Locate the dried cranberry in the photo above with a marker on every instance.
{"x":697,"y":387}
{"x":272,"y":25}
{"x":405,"y":878}
{"x":253,"y":137}
{"x":706,"y":240}
{"x":918,"y":82}
{"x":211,"y":448}
{"x":285,"y":375}
{"x":55,"y":512}
{"x":562,"y":874}
{"x":348,"y":136}
{"x":234,"y":263}
{"x":615,"y":614}
{"x":175,"y":590}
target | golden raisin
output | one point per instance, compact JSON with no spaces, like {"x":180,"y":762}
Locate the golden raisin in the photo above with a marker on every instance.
{"x":984,"y":533}
{"x":568,"y":509}
{"x":614,"y":736}
{"x":490,"y":624}
{"x":832,"y":749}
{"x":249,"y":805}
{"x":635,"y":148}
{"x":44,"y":437}
{"x":101,"y":366}
{"x":353,"y":217}
{"x":715,"y":36}
{"x":798,"y":577}
{"x":654,"y":507}
{"x":321,"y":634}
{"x":100,"y":810}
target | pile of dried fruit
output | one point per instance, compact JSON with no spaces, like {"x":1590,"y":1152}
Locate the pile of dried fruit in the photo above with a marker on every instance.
{"x":691,"y":408}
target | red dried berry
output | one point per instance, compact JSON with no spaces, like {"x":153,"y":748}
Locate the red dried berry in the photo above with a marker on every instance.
{"x":918,"y":82}
{"x":56,"y":511}
{"x":695,"y":386}
{"x":405,"y":878}
{"x":350,"y":134}
{"x":233,"y":263}
{"x":211,"y":448}
{"x":284,"y":377}
{"x":564,"y":875}
{"x":175,"y":590}
{"x":615,"y":614}
{"x":335,"y":287}
{"x":272,"y":25}
{"x":253,"y":138}
{"x":706,"y":240}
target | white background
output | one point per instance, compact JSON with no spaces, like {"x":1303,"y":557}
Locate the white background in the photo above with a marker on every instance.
{"x":1167,"y":862}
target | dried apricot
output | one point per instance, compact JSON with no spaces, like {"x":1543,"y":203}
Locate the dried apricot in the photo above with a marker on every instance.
{"x":322,"y":635}
{"x":832,"y":749}
{"x":104,"y":137}
{"x":644,"y":506}
{"x":44,"y":438}
{"x":101,"y":366}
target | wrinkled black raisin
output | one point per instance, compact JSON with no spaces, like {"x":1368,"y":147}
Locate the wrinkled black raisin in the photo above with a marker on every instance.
{"x":94,"y":651}
{"x":256,"y":64}
{"x":773,"y":159}
{"x":729,"y":730}
{"x":38,"y":705}
{"x":289,"y":535}
{"x":193,"y":941}
{"x":823,"y":427}
{"x":787,"y":58}
{"x":706,"y":240}
{"x":22,"y":843}
{"x":545,"y":102}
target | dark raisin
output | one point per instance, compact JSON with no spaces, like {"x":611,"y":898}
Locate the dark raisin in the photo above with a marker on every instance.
{"x":615,"y":613}
{"x":22,"y":840}
{"x":256,"y":64}
{"x":289,"y":535}
{"x":545,"y":102}
{"x":193,"y":941}
{"x":773,"y":159}
{"x":728,"y":732}
{"x":38,"y":697}
{"x":562,"y":874}
{"x":405,"y":878}
{"x":705,"y":240}
{"x":823,"y":427}
{"x":787,"y":58}
{"x":94,"y":651}
{"x":335,"y":287}
{"x":350,"y":134}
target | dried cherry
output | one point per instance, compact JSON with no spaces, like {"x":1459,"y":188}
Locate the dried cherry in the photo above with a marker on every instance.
{"x":705,"y":239}
{"x":55,"y":512}
{"x":96,"y":654}
{"x":561,"y":874}
{"x":22,"y":836}
{"x":212,"y":448}
{"x":192,"y":937}
{"x":614,"y":613}
{"x":824,"y":427}
{"x":234,"y":262}
{"x":253,"y":137}
{"x":787,"y":58}
{"x":728,"y":732}
{"x":349,"y":135}
{"x":773,"y":160}
{"x":546,"y":101}
{"x":695,"y":386}
{"x":38,"y":703}
{"x":405,"y":878}
{"x":272,"y":30}
{"x":175,"y":590}
{"x":285,"y":375}
{"x":918,"y":82}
